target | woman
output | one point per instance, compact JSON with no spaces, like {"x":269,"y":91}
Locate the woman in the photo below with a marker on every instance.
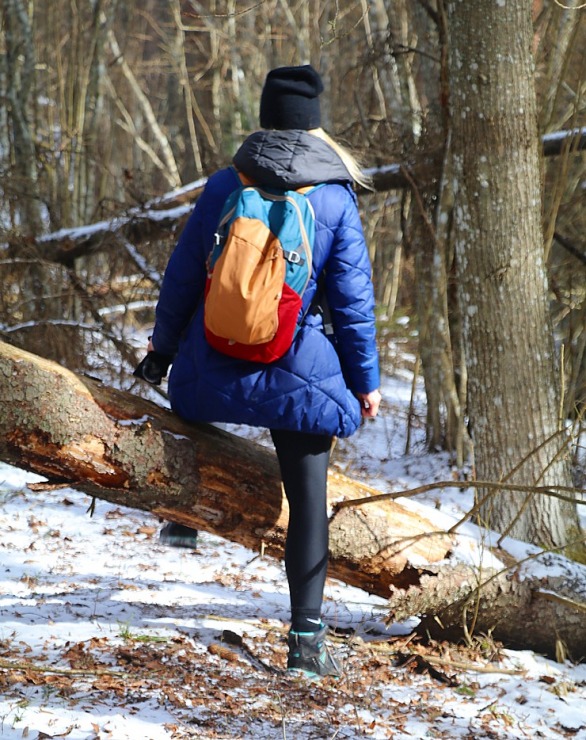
{"x":322,"y":386}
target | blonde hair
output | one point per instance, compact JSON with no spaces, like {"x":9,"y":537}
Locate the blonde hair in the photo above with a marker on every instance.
{"x":348,"y":159}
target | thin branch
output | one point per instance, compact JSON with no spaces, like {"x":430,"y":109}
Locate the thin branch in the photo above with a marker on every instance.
{"x":462,"y":666}
{"x":570,"y":7}
{"x":545,"y":490}
{"x":550,"y":596}
{"x":9,"y":665}
{"x":569,"y":247}
{"x":235,"y":14}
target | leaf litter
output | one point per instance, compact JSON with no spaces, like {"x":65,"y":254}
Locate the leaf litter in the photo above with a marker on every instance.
{"x":105,"y":633}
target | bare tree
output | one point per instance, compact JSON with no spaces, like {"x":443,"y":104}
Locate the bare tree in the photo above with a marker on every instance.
{"x":20,"y":91}
{"x":513,"y":378}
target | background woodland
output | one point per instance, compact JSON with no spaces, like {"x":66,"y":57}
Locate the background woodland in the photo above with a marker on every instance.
{"x":113,"y":115}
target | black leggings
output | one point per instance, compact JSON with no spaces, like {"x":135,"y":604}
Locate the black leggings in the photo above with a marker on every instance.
{"x":303,"y":460}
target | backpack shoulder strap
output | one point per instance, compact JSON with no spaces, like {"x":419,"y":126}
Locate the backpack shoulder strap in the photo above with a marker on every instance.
{"x":243,"y":179}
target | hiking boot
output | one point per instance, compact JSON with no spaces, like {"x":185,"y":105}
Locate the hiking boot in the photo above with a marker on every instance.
{"x":309,"y":653}
{"x":177,"y":535}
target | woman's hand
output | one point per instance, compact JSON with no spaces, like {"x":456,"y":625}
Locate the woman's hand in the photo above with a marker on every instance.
{"x":369,"y":403}
{"x":154,"y":366}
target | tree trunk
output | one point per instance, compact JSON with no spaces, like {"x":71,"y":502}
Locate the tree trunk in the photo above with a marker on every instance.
{"x":20,"y":91}
{"x":513,"y":391}
{"x":129,"y":451}
{"x":444,"y":416}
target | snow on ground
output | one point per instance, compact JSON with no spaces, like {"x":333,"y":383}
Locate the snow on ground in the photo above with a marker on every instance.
{"x":105,"y":633}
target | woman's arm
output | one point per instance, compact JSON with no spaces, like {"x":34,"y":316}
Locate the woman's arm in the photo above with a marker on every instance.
{"x":350,"y":297}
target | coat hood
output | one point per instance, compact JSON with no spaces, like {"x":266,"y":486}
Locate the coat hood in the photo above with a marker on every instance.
{"x":289,"y":159}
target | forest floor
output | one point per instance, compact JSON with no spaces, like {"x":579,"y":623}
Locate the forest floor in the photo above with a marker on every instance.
{"x":106,"y":633}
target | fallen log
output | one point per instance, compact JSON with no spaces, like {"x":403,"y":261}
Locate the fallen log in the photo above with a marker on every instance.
{"x":129,"y":451}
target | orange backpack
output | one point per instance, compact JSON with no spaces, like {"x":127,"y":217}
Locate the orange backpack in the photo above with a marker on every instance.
{"x":258,"y":270}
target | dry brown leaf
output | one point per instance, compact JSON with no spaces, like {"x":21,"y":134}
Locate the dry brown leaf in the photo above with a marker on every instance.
{"x":223,"y":652}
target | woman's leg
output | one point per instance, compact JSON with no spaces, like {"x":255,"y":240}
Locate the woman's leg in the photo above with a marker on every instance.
{"x":303,"y":460}
{"x":178,"y":535}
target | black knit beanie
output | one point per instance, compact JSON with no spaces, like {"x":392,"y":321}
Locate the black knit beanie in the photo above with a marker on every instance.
{"x":290,"y":98}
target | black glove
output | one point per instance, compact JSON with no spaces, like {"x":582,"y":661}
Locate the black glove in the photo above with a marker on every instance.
{"x":153,"y":367}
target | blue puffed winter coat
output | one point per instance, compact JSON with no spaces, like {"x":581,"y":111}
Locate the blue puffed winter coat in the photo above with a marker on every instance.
{"x":311,"y":388}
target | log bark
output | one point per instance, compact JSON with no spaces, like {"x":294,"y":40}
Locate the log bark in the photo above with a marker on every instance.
{"x":131,"y":452}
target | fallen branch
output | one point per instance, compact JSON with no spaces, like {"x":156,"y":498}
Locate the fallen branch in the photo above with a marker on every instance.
{"x":164,"y":216}
{"x":553,"y":491}
{"x":8,"y":665}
